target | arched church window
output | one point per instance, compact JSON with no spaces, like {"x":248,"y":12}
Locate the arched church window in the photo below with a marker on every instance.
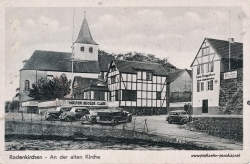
{"x":82,"y":48}
{"x":27,"y":85}
{"x":90,"y":49}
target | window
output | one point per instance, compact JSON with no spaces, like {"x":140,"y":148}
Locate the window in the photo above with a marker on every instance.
{"x":212,"y":67}
{"x":205,"y":51}
{"x":90,"y":49}
{"x":116,"y":95}
{"x":129,"y":95}
{"x":139,"y":75}
{"x":149,"y":76}
{"x":208,"y":67}
{"x":202,"y":68}
{"x":144,"y":75}
{"x":198,"y":86}
{"x":82,"y":48}
{"x":27,"y":85}
{"x":158,"y":95}
{"x":202,"y":86}
{"x":210,"y":85}
{"x":113,"y":79}
{"x":198,"y":70}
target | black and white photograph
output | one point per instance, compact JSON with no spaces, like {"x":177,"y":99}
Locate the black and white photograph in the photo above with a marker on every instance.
{"x":82,"y":83}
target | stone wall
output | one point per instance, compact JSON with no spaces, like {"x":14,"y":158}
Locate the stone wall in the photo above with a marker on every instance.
{"x":231,"y":94}
{"x":230,"y":127}
{"x":58,"y":131}
{"x":140,"y":111}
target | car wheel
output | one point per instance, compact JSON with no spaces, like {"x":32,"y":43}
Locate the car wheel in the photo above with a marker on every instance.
{"x":50,"y":118}
{"x":129,"y":119}
{"x":182,"y":122}
{"x":68,"y":119}
{"x":170,"y":122}
{"x":114,"y":122}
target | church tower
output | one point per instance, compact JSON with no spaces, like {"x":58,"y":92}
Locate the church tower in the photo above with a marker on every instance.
{"x":85,"y":48}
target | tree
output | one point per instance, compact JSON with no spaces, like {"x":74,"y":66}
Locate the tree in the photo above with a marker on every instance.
{"x":48,"y":89}
{"x":141,"y":57}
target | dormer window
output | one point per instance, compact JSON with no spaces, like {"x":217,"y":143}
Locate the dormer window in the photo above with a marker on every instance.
{"x":82,"y":48}
{"x":90,"y":49}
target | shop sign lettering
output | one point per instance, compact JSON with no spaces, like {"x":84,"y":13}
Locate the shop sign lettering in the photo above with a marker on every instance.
{"x":205,"y":77}
{"x":230,"y":75}
{"x":86,"y":103}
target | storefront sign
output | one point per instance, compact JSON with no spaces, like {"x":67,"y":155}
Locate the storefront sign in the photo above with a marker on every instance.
{"x":230,"y":75}
{"x":72,"y":103}
{"x":30,"y":103}
{"x":205,"y":77}
{"x":82,"y":103}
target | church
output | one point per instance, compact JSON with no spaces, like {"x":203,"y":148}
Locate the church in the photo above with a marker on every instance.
{"x":84,"y":61}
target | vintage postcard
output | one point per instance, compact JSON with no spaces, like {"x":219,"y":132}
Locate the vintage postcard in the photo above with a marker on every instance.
{"x":118,"y":82}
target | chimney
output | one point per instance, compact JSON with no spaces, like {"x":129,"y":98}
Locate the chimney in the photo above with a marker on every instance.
{"x":24,"y":62}
{"x":231,"y":40}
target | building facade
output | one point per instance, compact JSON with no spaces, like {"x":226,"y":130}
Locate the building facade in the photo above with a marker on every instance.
{"x":214,"y":59}
{"x":137,"y":86}
{"x":85,"y":61}
{"x":90,"y":89}
{"x":179,"y":89}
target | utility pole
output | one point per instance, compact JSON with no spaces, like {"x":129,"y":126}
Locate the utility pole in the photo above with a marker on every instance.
{"x":230,"y":40}
{"x":72,"y":55}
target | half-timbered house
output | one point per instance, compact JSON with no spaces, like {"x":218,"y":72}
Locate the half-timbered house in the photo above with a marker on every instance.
{"x":138,"y":86}
{"x":217,"y":77}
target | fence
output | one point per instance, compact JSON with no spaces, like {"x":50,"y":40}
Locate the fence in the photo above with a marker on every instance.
{"x":134,"y":125}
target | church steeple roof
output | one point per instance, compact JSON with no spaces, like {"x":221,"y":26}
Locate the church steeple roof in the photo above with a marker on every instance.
{"x":84,"y":35}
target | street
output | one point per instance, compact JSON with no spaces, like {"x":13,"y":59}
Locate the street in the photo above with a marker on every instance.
{"x":155,"y":124}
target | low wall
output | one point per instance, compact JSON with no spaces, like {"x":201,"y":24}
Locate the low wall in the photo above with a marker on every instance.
{"x":53,"y":131}
{"x":229,"y":127}
{"x":146,"y":110}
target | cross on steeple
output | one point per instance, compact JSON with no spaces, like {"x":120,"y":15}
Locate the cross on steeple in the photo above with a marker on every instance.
{"x":84,"y":14}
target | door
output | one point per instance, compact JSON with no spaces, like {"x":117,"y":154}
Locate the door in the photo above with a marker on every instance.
{"x":204,"y":106}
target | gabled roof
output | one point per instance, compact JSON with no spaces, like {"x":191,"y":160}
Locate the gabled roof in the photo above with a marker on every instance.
{"x":84,"y":35}
{"x":174,"y":75}
{"x":104,"y":61}
{"x":88,"y":83}
{"x":190,"y":72}
{"x":59,"y":61}
{"x":222,"y":48}
{"x":125,"y":66}
{"x":169,"y":65}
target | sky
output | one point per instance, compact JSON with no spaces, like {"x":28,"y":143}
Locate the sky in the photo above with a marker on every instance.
{"x":175,"y":33}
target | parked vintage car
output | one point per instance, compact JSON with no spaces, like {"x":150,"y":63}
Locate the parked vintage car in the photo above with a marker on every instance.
{"x":75,"y":113}
{"x":178,"y":116}
{"x":54,"y":114}
{"x":109,"y":116}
